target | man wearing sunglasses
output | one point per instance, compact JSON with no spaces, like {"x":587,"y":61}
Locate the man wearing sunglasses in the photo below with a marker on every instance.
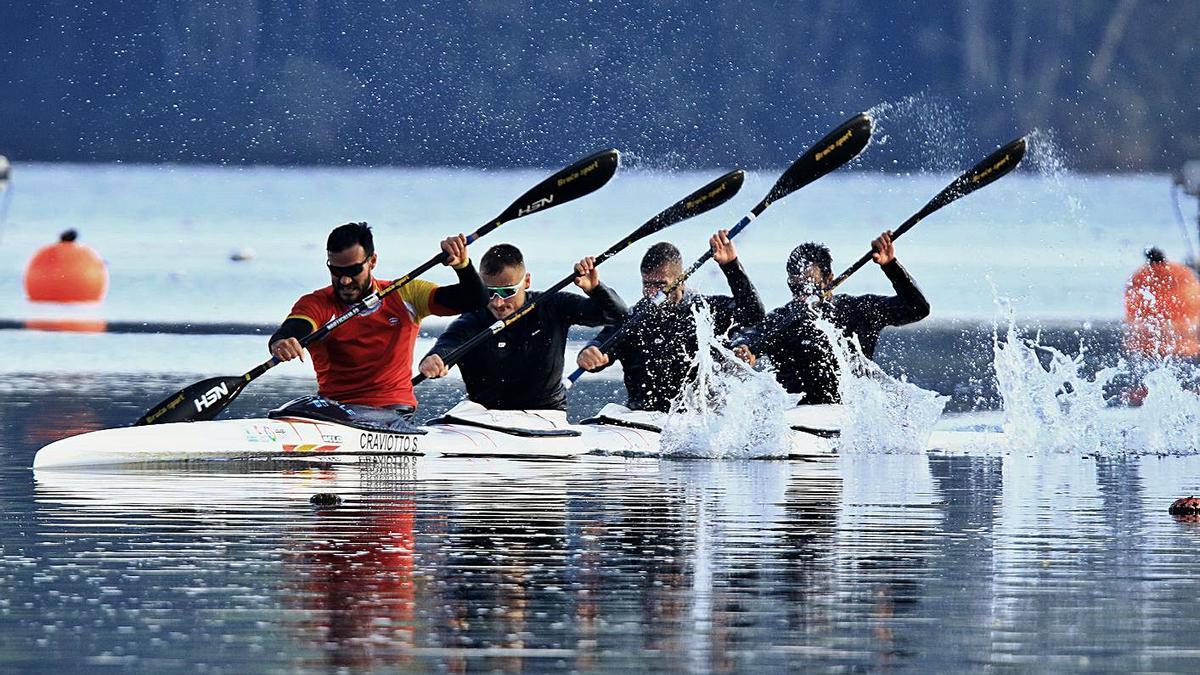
{"x":521,"y":367}
{"x":368,"y":359}
{"x":800,"y":352}
{"x":657,"y":351}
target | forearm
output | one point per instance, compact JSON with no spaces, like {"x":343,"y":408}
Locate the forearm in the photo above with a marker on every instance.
{"x":468,"y":294}
{"x":291,"y":328}
{"x":458,"y":333}
{"x":749,"y":308}
{"x":603,"y":306}
{"x":910,"y":303}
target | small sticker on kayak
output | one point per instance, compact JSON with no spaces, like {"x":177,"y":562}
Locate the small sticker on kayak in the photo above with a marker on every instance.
{"x":264,"y":433}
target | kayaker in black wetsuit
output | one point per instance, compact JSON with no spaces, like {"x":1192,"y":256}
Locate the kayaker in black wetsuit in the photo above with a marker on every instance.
{"x":800,"y":352}
{"x":657,"y":351}
{"x":521,"y":367}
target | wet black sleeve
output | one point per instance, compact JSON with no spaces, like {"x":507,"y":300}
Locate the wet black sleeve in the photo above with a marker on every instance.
{"x":602,"y":306}
{"x":468,"y":294}
{"x":459,"y":331}
{"x":747,"y":307}
{"x":614,"y":351}
{"x":758,"y":336}
{"x":907,"y":306}
{"x":291,"y":328}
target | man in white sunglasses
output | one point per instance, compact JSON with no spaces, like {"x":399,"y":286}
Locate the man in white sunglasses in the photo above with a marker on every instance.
{"x":521,"y":367}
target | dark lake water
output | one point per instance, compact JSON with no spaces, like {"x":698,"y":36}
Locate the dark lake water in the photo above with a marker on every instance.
{"x":863,"y":562}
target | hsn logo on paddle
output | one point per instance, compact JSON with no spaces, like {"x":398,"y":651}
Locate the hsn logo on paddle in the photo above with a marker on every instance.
{"x":211,"y":396}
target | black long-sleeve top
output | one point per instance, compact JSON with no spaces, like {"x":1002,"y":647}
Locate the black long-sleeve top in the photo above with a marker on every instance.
{"x":521,"y":367}
{"x":801,"y":354}
{"x":657,"y":350}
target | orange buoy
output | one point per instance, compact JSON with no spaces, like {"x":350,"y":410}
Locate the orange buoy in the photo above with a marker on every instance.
{"x":1185,"y":509}
{"x":66,"y":272}
{"x":1185,"y":506}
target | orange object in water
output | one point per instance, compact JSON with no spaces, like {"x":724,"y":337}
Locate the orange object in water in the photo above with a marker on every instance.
{"x":66,"y":272}
{"x":1162,"y":311}
{"x":68,"y":325}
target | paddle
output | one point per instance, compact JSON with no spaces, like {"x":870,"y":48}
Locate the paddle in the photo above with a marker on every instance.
{"x":837,"y":147}
{"x":984,"y":173}
{"x":207,"y":398}
{"x":706,"y":198}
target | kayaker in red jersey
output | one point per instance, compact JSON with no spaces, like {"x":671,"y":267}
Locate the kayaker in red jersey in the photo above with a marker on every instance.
{"x":368,"y":359}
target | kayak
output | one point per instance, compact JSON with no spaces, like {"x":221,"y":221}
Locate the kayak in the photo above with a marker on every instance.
{"x":467,"y":430}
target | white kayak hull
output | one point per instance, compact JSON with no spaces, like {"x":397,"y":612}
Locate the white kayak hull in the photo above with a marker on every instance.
{"x":294,"y":438}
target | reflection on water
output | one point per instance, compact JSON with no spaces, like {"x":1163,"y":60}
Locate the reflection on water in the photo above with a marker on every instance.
{"x":1047,"y":561}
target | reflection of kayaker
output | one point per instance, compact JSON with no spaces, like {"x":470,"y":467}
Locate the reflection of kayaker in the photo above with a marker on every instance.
{"x":1162,"y":310}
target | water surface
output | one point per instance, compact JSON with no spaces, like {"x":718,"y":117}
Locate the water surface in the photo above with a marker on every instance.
{"x":1021,"y":561}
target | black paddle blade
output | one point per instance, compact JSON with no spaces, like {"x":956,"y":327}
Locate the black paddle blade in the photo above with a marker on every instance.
{"x":838,"y":147}
{"x":583,"y":177}
{"x":199,"y":402}
{"x":984,"y":173}
{"x":706,"y":198}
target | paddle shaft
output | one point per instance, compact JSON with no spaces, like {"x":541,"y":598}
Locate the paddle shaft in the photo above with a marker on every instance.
{"x":866,"y":258}
{"x":360,"y":307}
{"x":986,"y":172}
{"x":659,"y":297}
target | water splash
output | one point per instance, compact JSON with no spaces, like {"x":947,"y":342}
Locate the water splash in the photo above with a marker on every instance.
{"x":1048,"y":158}
{"x":934,"y":124}
{"x":1052,"y":407}
{"x":882,"y":413}
{"x":728,"y":410}
{"x":1057,"y":408}
{"x":1170,"y":415}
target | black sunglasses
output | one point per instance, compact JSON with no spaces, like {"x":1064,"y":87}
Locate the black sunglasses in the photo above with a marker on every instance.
{"x":351,"y":271}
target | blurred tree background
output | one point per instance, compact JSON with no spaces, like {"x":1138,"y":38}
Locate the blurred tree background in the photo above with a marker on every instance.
{"x":506,"y":83}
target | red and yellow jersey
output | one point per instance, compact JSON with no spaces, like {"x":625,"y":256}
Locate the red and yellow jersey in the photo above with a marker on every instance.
{"x":1162,"y":311}
{"x":368,"y":360}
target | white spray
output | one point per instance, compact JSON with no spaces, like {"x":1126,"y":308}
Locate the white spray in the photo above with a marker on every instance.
{"x":727,"y":410}
{"x":882,"y":413}
{"x":1055,"y":408}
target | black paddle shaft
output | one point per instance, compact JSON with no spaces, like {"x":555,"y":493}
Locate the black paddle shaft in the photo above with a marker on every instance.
{"x":989,"y":170}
